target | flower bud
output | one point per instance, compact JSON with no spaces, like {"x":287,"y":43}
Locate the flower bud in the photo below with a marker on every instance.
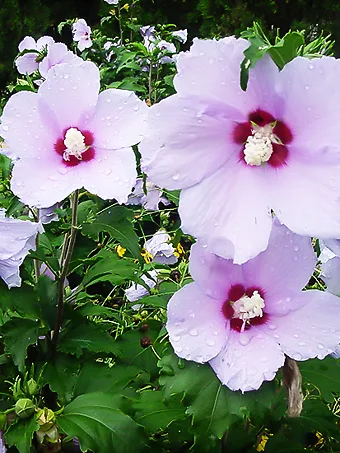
{"x":24,"y":408}
{"x":31,"y":387}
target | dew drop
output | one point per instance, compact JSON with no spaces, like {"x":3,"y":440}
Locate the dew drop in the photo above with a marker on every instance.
{"x":193,"y":332}
{"x":296,"y":248}
{"x":210,"y":342}
{"x":288,"y":299}
{"x":311,"y":66}
{"x":320,"y":346}
{"x":5,"y":127}
{"x":307,"y":87}
{"x":175,"y":177}
{"x":175,"y":338}
{"x":301,"y":343}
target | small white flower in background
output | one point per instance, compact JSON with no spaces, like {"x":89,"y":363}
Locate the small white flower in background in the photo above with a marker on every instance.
{"x":112,"y":2}
{"x":108,"y":45}
{"x":181,"y":35}
{"x":81,"y":33}
{"x":137,"y":291}
{"x":159,"y":249}
{"x":151,"y":199}
{"x":17,"y":238}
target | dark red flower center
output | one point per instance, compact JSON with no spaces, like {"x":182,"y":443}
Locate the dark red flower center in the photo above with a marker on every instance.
{"x":233,"y":306}
{"x":71,"y":158}
{"x":282,"y":133}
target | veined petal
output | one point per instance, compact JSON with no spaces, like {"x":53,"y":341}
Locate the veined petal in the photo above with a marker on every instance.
{"x":197,"y":328}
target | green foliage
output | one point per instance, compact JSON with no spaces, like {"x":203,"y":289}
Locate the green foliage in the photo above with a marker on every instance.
{"x":99,"y":424}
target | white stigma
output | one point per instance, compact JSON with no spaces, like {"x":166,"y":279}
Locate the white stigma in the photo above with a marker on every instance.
{"x":258,"y":148}
{"x":75,"y":144}
{"x":249,"y":307}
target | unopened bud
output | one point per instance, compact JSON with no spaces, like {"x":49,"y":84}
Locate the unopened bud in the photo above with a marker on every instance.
{"x":24,"y":408}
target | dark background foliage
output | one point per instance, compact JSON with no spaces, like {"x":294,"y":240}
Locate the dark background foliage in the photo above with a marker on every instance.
{"x":204,"y":18}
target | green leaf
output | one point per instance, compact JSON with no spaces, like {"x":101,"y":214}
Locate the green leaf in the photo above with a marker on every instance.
{"x":213,"y":406}
{"x":132,"y":351}
{"x":47,"y":292}
{"x":20,"y":434}
{"x":117,"y":221}
{"x":112,"y":269}
{"x":323,"y":374}
{"x":94,"y":376}
{"x":286,"y":49}
{"x":96,"y":420}
{"x":154,"y":414}
{"x":23,"y":300}
{"x":61,"y":375}
{"x":18,"y":334}
{"x":88,"y":336}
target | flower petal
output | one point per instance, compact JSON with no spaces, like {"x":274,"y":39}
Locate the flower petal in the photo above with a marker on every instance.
{"x":247,"y":360}
{"x":26,"y":64}
{"x":330,"y":274}
{"x":111,"y":174}
{"x":44,"y":186}
{"x":313,"y":85}
{"x":301,"y":186}
{"x":311,"y":331}
{"x":286,"y":264}
{"x":76,"y":82}
{"x":23,"y":128}
{"x":233,"y":210}
{"x":196,"y":326}
{"x":119,"y":120}
{"x":187,"y":142}
{"x":213,"y":274}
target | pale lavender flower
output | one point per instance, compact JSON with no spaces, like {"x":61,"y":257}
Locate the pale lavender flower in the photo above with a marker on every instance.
{"x":72,"y":137}
{"x":244,"y":319}
{"x":330,"y":264}
{"x":181,"y":35}
{"x":112,"y":2}
{"x":81,"y":33}
{"x":151,"y":199}
{"x":17,"y":238}
{"x":27,"y":63}
{"x":160,"y":249}
{"x":239,"y":155}
{"x":137,"y":291}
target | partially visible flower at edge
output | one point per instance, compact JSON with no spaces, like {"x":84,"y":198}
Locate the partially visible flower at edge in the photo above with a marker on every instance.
{"x":244,"y":319}
{"x":112,"y":2}
{"x":17,"y":238}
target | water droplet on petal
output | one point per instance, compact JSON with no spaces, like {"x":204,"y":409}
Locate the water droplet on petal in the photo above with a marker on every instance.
{"x":193,"y":332}
{"x":296,"y":248}
{"x":320,"y":346}
{"x":175,"y":177}
{"x":210,"y":342}
{"x":175,"y":338}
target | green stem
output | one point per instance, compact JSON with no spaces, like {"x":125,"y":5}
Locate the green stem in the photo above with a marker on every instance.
{"x":71,"y":239}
